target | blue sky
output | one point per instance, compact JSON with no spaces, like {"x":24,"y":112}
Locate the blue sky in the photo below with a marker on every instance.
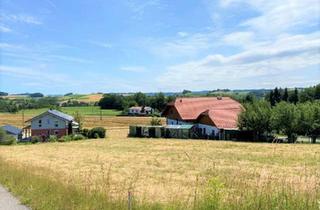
{"x":84,"y":46}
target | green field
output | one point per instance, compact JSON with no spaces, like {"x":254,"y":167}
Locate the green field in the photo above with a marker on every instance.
{"x":85,"y":110}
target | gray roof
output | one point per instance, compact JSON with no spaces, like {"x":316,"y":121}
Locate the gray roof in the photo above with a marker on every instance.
{"x":12,"y":129}
{"x":61,"y":115}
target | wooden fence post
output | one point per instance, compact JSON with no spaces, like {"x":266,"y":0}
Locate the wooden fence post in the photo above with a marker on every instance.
{"x":129,"y":200}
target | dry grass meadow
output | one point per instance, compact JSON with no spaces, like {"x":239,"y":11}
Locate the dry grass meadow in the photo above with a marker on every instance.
{"x":167,"y":171}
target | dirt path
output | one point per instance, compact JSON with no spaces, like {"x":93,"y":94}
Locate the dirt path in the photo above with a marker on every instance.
{"x":9,"y":202}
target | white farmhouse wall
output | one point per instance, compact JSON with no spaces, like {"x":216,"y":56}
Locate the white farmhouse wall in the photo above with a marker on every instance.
{"x":209,"y":129}
{"x":177,"y":122}
{"x":48,"y":122}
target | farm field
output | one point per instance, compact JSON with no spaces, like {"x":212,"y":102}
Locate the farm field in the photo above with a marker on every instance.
{"x":84,"y":110}
{"x":167,"y":171}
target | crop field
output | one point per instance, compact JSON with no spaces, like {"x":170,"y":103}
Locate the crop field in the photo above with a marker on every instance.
{"x":163,"y":173}
{"x":84,"y":110}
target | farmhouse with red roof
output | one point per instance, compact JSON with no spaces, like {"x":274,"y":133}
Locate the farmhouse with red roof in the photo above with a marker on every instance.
{"x":211,"y":115}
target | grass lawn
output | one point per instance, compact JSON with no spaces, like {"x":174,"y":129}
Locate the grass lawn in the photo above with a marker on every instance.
{"x":163,"y":174}
{"x":85,"y":110}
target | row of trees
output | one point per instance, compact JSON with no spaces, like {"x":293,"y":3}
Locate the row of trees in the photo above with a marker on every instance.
{"x":120,"y":102}
{"x":284,"y":118}
{"x":294,"y":95}
{"x":14,"y":105}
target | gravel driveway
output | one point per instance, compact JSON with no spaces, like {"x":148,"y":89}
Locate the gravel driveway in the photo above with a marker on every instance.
{"x":9,"y":202}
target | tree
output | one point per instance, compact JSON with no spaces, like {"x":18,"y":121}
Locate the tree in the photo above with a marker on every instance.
{"x":140,"y":98}
{"x":184,"y":92}
{"x":78,"y":117}
{"x":256,"y":117}
{"x":111,"y":101}
{"x":277,"y":95}
{"x":310,"y":120}
{"x":285,"y":119}
{"x":285,"y":95}
{"x":271,"y":98}
{"x":294,"y":98}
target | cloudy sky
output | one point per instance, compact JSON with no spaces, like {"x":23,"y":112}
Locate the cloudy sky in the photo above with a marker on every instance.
{"x":83,"y":46}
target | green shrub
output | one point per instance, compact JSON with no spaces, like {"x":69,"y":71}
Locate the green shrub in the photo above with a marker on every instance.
{"x":77,"y":137}
{"x":35,"y":139}
{"x":97,"y":132}
{"x":155,"y":121}
{"x":53,"y":138}
{"x":8,"y":140}
{"x":85,"y":132}
{"x":65,"y":139}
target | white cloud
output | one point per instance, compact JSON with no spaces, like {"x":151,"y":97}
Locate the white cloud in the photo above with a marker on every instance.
{"x":278,"y":58}
{"x":4,"y":29}
{"x":22,"y":18}
{"x":279,"y":16}
{"x":101,"y":44}
{"x":181,"y":46}
{"x":37,"y":74}
{"x":136,"y":69}
{"x":182,"y":34}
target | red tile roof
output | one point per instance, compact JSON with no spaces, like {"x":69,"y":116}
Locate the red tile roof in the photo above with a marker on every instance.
{"x":222,"y":111}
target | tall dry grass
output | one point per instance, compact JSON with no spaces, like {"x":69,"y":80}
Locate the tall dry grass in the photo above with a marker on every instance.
{"x":176,"y":174}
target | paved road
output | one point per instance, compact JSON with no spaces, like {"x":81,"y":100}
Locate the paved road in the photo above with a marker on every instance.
{"x":8,"y":202}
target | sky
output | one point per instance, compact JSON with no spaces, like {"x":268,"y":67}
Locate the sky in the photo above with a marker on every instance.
{"x":86,"y":46}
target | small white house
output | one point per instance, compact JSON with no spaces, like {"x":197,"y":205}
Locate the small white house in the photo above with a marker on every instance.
{"x":140,"y":110}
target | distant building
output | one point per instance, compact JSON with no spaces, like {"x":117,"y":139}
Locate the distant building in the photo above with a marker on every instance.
{"x":213,"y":117}
{"x":52,"y":122}
{"x":13,"y":131}
{"x":140,"y":110}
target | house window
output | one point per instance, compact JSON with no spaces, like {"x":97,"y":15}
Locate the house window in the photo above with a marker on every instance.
{"x":40,"y":123}
{"x":48,"y":121}
{"x":56,"y":132}
{"x":56,"y":124}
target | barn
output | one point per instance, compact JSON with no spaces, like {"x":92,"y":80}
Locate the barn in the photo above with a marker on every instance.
{"x":213,"y":117}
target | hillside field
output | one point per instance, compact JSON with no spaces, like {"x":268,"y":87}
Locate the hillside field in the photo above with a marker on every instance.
{"x":160,"y":173}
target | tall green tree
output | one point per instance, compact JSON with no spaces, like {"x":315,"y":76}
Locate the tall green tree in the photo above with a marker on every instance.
{"x":271,"y":98}
{"x":256,"y":117}
{"x":310,"y":120}
{"x":285,"y":95}
{"x":285,"y":119}
{"x":294,"y":97}
{"x":277,"y":95}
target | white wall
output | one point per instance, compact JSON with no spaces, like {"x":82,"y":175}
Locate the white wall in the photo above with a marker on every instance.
{"x":209,"y":129}
{"x":177,"y":122}
{"x":48,"y":121}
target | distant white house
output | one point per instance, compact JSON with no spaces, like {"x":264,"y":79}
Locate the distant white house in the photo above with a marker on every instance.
{"x":140,"y":110}
{"x":13,"y":131}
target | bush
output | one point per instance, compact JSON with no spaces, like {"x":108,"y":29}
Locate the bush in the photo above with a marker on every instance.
{"x":53,"y":138}
{"x":77,"y":137}
{"x":35,"y":139}
{"x":85,"y":132}
{"x":65,"y":139}
{"x":155,"y":121}
{"x":8,"y":140}
{"x":97,"y":132}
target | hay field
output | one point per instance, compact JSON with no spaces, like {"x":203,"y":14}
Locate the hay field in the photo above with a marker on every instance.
{"x":167,"y":170}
